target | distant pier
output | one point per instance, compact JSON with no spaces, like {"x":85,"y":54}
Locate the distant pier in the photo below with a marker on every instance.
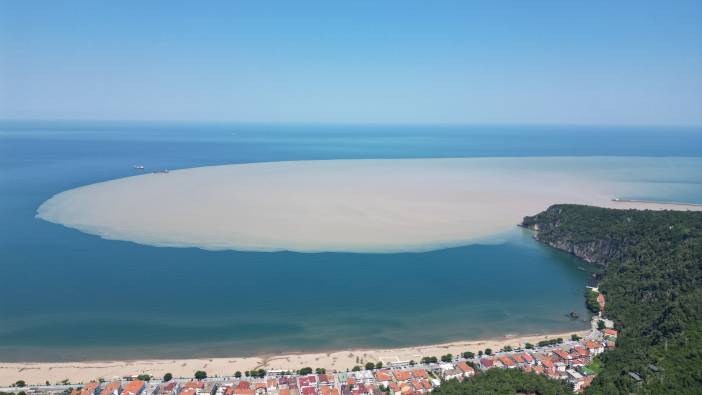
{"x":619,"y":200}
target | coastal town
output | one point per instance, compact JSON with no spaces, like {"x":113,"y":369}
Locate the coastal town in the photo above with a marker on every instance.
{"x":574,"y":360}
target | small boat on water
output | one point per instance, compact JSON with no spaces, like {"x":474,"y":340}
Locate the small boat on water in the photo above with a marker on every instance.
{"x":581,"y":268}
{"x":138,"y":167}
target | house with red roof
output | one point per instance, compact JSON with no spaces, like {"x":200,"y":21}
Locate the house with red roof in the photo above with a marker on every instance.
{"x":594,"y":348}
{"x":112,"y":388}
{"x":528,"y":358}
{"x":487,"y":363}
{"x":562,"y":356}
{"x":383,"y":376}
{"x":402,"y":375}
{"x":467,"y":370}
{"x":133,"y":387}
{"x":506,"y":361}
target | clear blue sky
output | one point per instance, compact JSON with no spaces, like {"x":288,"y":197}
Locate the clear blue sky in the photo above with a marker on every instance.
{"x":585,"y":62}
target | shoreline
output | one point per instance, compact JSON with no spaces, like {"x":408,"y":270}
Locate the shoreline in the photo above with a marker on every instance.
{"x":37,"y":373}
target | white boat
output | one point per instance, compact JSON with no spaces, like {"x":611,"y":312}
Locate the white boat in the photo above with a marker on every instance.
{"x":138,"y":167}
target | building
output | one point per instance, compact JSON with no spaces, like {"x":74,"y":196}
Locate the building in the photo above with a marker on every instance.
{"x":134,"y":387}
{"x":467,"y":370}
{"x":112,"y":388}
{"x":452,"y":374}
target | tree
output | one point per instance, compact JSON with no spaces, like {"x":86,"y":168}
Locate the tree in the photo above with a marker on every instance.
{"x":601,"y":325}
{"x":505,"y":381}
{"x":304,"y":371}
{"x":468,"y":355}
{"x":370,"y":366}
{"x":651,"y":274}
{"x":20,"y":383}
{"x":429,"y":359}
{"x":575,"y":337}
{"x":446,"y":358}
{"x":480,"y":353}
{"x":591,"y":301}
{"x":412,"y":363}
{"x":507,"y":348}
{"x":528,"y":346}
{"x":356,"y":369}
{"x":167,"y":377}
{"x":237,"y":374}
{"x":379,"y":365}
{"x":200,"y":375}
{"x":488,"y":351}
{"x":144,"y":377}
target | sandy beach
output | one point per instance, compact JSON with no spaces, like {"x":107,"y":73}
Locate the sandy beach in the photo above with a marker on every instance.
{"x":340,"y":205}
{"x":81,"y":372}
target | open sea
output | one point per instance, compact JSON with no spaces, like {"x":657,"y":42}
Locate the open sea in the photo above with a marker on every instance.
{"x":66,"y":295}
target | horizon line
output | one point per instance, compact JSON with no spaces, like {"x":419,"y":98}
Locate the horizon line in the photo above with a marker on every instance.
{"x":353,"y":123}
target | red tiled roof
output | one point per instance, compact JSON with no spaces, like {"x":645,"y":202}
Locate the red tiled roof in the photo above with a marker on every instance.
{"x":111,"y":387}
{"x":487,"y":362}
{"x":517,"y":358}
{"x":402,"y":375}
{"x":133,"y":387}
{"x":611,"y":332}
{"x":243,"y":384}
{"x":592,"y":345}
{"x":505,"y":360}
{"x":421,"y":373}
{"x":581,"y":351}
{"x":308,"y":391}
{"x":383,"y":375}
{"x":194,"y":384}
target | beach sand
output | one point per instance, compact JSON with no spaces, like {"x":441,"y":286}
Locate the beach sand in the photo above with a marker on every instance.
{"x":82,"y":372}
{"x":339,"y":205}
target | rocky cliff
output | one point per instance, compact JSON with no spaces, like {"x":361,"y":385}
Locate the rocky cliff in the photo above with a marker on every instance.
{"x":557,"y":229}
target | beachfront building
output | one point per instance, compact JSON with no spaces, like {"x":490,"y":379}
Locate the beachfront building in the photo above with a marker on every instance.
{"x":112,"y":388}
{"x":134,"y":387}
{"x":467,"y":370}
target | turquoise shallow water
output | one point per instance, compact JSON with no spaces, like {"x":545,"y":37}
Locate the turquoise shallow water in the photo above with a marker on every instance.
{"x":71,"y":296}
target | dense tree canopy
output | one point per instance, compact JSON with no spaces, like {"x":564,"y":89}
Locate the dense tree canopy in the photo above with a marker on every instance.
{"x":507,"y":382}
{"x":652,"y":281}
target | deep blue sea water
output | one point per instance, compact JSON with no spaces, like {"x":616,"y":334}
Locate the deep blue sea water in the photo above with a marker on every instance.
{"x":66,"y":295}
